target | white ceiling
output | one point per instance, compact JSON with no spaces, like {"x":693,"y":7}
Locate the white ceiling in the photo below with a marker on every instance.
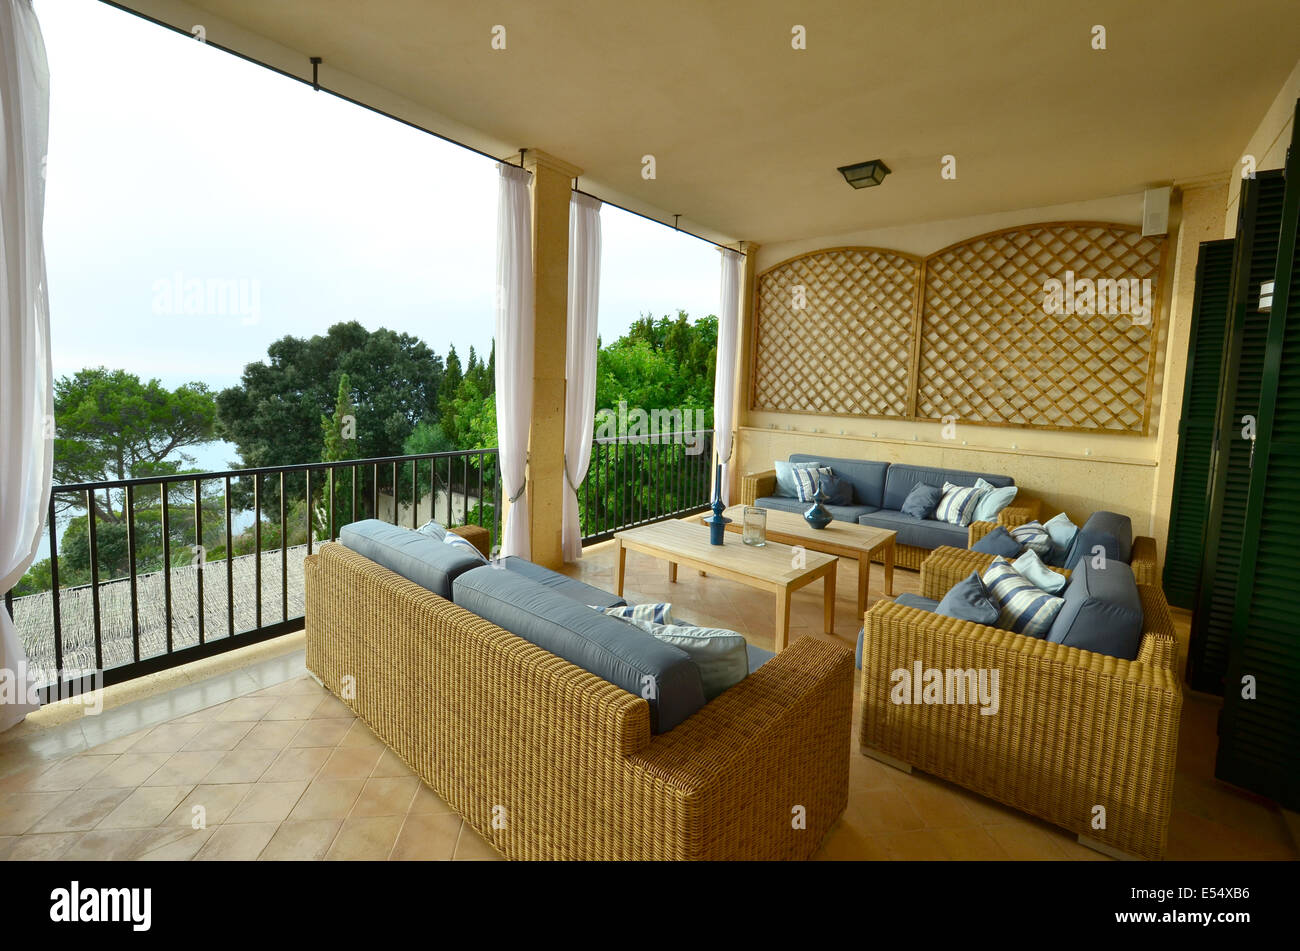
{"x":747,"y":132}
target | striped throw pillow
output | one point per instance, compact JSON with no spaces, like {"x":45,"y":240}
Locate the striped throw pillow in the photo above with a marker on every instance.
{"x":661,"y":613}
{"x":1023,"y":607}
{"x":807,"y":480}
{"x":957,"y":507}
{"x":464,"y":544}
{"x":1033,"y":536}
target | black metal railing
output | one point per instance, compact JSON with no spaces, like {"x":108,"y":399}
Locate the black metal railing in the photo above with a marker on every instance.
{"x":633,"y":480}
{"x":177,"y":537}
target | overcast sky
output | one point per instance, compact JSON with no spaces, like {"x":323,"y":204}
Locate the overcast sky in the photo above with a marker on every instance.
{"x":172,"y":163}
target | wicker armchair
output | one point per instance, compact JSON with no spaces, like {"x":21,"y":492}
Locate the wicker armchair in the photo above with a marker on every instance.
{"x":1074,"y":730}
{"x":757,"y":485}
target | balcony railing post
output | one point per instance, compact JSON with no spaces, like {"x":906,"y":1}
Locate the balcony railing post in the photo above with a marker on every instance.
{"x":93,"y":535}
{"x":54,"y":592}
{"x":201,"y":555}
{"x":167,"y":563}
{"x":130,"y":553}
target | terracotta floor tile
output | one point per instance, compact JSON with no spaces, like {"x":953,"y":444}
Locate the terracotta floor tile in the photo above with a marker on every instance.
{"x":120,"y":745}
{"x":328,"y":733}
{"x":129,"y":770}
{"x":328,"y":799}
{"x":881,"y":811}
{"x":40,"y":848}
{"x":355,"y":762}
{"x":241,"y":766}
{"x":270,"y":734}
{"x":236,"y":843}
{"x":971,"y":844}
{"x":303,"y":763}
{"x":391,"y":765}
{"x":428,"y":838}
{"x":427,"y":802}
{"x":386,"y":797}
{"x":218,"y":735}
{"x":22,"y":810}
{"x":1025,"y":842}
{"x":473,"y":847}
{"x":167,"y":738}
{"x":144,"y":807}
{"x":184,"y":767}
{"x":301,"y":840}
{"x":844,"y":843}
{"x":268,"y":802}
{"x":917,"y":845}
{"x":369,"y":838}
{"x":294,"y":707}
{"x":360,"y":737}
{"x":209,"y":805}
{"x":170,"y":844}
{"x":81,"y":811}
{"x":246,"y":708}
{"x":71,"y":773}
{"x":104,"y":845}
{"x":331,"y":707}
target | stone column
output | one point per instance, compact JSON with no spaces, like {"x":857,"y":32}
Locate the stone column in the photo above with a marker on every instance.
{"x":552,"y":187}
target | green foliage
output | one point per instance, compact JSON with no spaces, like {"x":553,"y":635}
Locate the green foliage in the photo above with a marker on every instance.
{"x":662,"y":363}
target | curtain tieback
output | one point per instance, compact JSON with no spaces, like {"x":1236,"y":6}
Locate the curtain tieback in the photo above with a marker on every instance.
{"x":515,"y":498}
{"x":567,"y":477}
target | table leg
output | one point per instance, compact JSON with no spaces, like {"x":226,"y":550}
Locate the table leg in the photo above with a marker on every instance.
{"x":889,"y":568}
{"x":864,"y":579}
{"x":829,"y":596}
{"x":620,"y":566}
{"x":782,"y":619}
{"x":672,"y":571}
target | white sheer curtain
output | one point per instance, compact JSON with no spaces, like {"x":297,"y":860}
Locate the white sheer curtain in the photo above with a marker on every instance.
{"x":26,"y":398}
{"x":580,"y":360}
{"x":514,"y":338}
{"x":724,"y":375}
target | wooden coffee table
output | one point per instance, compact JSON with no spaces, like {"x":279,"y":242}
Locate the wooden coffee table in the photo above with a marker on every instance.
{"x":843,"y":539}
{"x":778,"y":568}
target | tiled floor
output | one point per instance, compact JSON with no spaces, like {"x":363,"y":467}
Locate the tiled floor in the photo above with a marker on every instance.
{"x":277,"y":768}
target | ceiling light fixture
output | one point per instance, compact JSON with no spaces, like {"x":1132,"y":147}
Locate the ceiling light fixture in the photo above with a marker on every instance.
{"x":865,"y":174}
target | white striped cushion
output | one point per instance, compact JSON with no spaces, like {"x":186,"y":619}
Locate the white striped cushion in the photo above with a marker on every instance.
{"x":661,"y":613}
{"x":1023,"y":607}
{"x":1033,"y":536}
{"x":806,"y":481}
{"x":957,"y":507}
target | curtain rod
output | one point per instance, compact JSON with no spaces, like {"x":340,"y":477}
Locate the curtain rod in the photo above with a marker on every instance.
{"x":318,"y":87}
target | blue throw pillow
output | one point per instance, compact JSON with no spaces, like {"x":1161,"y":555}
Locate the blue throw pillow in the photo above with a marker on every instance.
{"x":785,"y":487}
{"x":922,"y":500}
{"x":969,"y":600}
{"x":998,"y":542}
{"x":839,"y":491}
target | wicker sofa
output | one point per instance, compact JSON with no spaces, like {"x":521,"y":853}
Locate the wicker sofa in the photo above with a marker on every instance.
{"x":548,"y":761}
{"x":872,"y":487}
{"x":1075,"y":729}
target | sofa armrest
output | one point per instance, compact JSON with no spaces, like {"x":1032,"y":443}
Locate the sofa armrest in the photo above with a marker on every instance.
{"x":1143,"y":560}
{"x":757,"y":485}
{"x":945,"y":566}
{"x":978,"y":530}
{"x":476,"y":535}
{"x":778,"y":740}
{"x":1021,"y":510}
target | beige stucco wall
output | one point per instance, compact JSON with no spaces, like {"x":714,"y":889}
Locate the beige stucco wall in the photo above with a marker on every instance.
{"x":1267,"y":145}
{"x":1072,"y":472}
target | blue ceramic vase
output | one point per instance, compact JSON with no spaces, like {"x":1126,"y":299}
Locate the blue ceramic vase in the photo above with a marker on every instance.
{"x":817,"y":516}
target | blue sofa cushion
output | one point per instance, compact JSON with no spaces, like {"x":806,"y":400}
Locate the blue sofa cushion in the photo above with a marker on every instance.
{"x":1113,"y":532}
{"x":867,"y":478}
{"x":1102,"y":611}
{"x":919,"y":533}
{"x":579,"y":591}
{"x":900,"y":479}
{"x":922,"y":501}
{"x":417,"y":557}
{"x":841,"y":513}
{"x":998,"y":542}
{"x":969,"y":600}
{"x":602,"y":645}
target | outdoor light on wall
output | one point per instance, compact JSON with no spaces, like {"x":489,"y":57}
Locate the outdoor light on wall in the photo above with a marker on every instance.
{"x":1266,"y":297}
{"x":865,"y":174}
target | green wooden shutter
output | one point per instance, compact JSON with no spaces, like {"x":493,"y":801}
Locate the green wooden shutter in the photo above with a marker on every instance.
{"x":1259,"y":739}
{"x":1190,"y":505}
{"x":1243,"y":364}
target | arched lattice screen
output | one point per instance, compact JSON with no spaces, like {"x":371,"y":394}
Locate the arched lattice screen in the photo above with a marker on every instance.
{"x":1050,"y":325}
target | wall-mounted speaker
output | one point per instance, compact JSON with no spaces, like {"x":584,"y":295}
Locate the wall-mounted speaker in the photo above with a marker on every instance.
{"x":1155,"y":210}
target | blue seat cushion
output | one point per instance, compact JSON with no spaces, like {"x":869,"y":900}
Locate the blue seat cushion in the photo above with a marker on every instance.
{"x":901,"y":478}
{"x":998,"y":542}
{"x":909,"y":600}
{"x":416,"y":557}
{"x":841,"y":513}
{"x":918,"y":532}
{"x":1102,"y":611}
{"x":1113,"y":532}
{"x":867,"y":478}
{"x":757,"y":657}
{"x":606,"y":646}
{"x":579,"y":591}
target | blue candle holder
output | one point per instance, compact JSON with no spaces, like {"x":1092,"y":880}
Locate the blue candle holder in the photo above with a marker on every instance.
{"x":717,"y":523}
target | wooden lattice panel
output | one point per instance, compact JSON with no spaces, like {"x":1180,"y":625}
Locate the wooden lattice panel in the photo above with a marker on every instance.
{"x":991,"y":354}
{"x":844,"y":344}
